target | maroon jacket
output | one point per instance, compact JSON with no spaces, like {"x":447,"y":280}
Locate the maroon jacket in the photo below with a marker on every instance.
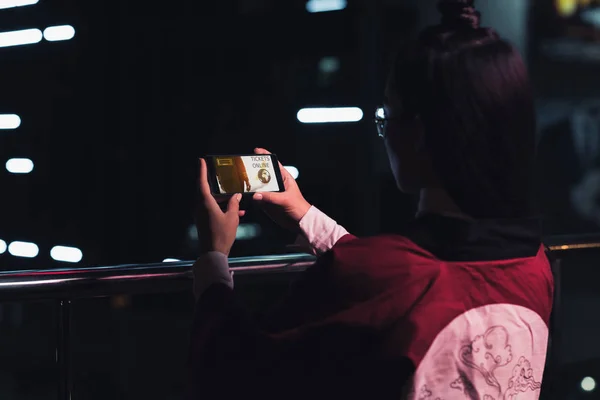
{"x":449,"y":309}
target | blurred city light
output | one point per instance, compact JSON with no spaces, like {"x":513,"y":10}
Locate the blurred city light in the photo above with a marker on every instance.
{"x":329,"y":115}
{"x":19,"y":165}
{"x":23,"y":249}
{"x":591,"y":16}
{"x":58,"y":33}
{"x":16,"y":3}
{"x":9,"y":121}
{"x":248,"y":231}
{"x":316,"y":6}
{"x":588,"y":384}
{"x":66,"y":254}
{"x":193,"y":233}
{"x":167,"y":260}
{"x":293,"y":171}
{"x":329,"y":65}
{"x":19,"y":38}
{"x":2,"y":246}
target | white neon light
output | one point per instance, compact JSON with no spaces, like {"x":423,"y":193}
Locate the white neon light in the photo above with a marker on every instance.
{"x":588,"y":384}
{"x":316,"y":6}
{"x":23,"y":249}
{"x":2,"y":246}
{"x":20,"y":38}
{"x":329,"y":115}
{"x":293,"y":171}
{"x":59,"y":33}
{"x":66,"y":254}
{"x":19,"y":165}
{"x":9,"y":121}
{"x":166,"y":260}
{"x":16,"y":3}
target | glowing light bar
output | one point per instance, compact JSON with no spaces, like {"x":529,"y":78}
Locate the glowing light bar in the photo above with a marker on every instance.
{"x":20,"y":38}
{"x":316,"y":6}
{"x":166,"y":260}
{"x":2,"y":246}
{"x":329,"y":115}
{"x":66,"y":254}
{"x":59,"y":33}
{"x":9,"y":121}
{"x":23,"y":249}
{"x":16,"y":3}
{"x":293,"y":171}
{"x":19,"y":165}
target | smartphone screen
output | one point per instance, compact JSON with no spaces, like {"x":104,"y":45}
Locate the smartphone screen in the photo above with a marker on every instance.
{"x":244,"y":174}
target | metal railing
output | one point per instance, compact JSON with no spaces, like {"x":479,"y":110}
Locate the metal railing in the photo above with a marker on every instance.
{"x":129,"y":279}
{"x":65,"y":285}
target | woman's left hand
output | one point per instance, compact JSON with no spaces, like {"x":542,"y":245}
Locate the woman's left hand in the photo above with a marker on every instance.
{"x":216,"y":228}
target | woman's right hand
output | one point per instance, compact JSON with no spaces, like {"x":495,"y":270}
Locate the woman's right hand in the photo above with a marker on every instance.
{"x":285,"y":208}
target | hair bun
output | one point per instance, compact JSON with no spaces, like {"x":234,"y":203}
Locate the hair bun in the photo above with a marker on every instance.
{"x":459,"y":14}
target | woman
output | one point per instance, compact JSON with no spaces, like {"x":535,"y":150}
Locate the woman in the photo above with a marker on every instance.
{"x":456,"y":307}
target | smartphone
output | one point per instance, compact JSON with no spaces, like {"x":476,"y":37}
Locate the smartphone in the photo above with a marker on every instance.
{"x":246,"y":174}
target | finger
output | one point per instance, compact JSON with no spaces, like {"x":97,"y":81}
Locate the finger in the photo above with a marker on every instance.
{"x":269,"y":198}
{"x":259,"y":150}
{"x":242,"y":213}
{"x":206,"y":195}
{"x":284,"y":172}
{"x":233,"y":208}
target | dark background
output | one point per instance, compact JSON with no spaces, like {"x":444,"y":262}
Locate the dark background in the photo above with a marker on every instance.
{"x":116,"y":118}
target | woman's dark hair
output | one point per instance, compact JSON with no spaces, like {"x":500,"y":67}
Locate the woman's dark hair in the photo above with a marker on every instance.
{"x":471,"y":90}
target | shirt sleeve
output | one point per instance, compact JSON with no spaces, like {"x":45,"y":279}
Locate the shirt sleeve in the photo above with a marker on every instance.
{"x":211,"y":268}
{"x":319,"y":233}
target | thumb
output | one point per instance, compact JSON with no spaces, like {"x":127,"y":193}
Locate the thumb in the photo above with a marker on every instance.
{"x":269,"y":198}
{"x":233,"y":207}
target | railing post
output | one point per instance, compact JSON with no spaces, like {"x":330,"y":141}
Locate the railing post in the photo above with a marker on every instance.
{"x":63,"y":349}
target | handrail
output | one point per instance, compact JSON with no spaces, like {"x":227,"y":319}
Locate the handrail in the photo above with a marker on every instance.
{"x":573,"y":242}
{"x":70,"y":283}
{"x":89,"y":282}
